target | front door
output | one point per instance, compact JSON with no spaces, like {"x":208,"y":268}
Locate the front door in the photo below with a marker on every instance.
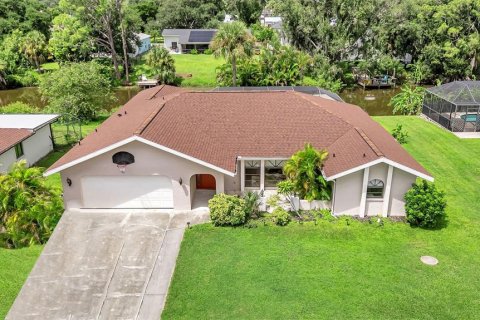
{"x":205,"y":181}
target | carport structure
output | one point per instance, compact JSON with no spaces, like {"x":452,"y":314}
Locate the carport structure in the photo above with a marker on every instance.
{"x":455,"y":105}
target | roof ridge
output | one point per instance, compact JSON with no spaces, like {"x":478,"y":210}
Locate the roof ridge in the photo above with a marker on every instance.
{"x":370,"y":143}
{"x":302,"y":95}
{"x":156,"y":92}
{"x":148,"y":120}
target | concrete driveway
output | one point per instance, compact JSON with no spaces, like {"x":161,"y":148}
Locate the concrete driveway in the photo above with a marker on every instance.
{"x":105,"y":265}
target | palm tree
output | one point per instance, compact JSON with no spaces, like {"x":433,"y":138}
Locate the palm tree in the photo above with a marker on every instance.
{"x":233,"y":41}
{"x":34,"y":47}
{"x":304,"y":169}
{"x":162,"y":63}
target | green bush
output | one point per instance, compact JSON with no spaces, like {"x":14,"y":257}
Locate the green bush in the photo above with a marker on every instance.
{"x":208,"y":51}
{"x":280,"y":216}
{"x":194,"y":51}
{"x":425,"y":205}
{"x":18,"y":107}
{"x":408,"y":101}
{"x":227,"y":210}
{"x":29,"y":208}
{"x":400,"y":134}
{"x":252,"y":201}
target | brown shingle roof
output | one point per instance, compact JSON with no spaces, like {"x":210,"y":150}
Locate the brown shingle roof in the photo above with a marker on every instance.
{"x":10,"y":137}
{"x":219,"y":127}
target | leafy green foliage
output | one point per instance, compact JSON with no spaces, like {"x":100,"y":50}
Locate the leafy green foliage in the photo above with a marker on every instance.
{"x":70,"y":40}
{"x":425,"y":205}
{"x":400,"y":134}
{"x":248,"y":11}
{"x":303,"y":169}
{"x":24,"y":15}
{"x":227,"y":210}
{"x":189,"y":14}
{"x":34,"y":48}
{"x":29,"y":208}
{"x":265,"y":35}
{"x":78,"y":90}
{"x":162,"y":64}
{"x":280,"y":216}
{"x":408,"y":101}
{"x":252,"y":201}
{"x":232,"y":42}
{"x":18,"y":108}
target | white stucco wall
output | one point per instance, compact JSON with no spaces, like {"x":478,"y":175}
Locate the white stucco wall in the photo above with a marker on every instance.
{"x":34,"y":148}
{"x":401,"y":182}
{"x":148,"y":161}
{"x":6,"y":160}
{"x":232,"y":184}
{"x":348,"y":191}
{"x":167,"y":42}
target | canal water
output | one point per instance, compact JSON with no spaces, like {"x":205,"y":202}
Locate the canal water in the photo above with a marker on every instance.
{"x":32,"y":96}
{"x":375,"y":102}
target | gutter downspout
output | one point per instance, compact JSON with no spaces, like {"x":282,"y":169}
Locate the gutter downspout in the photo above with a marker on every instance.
{"x":333,"y":198}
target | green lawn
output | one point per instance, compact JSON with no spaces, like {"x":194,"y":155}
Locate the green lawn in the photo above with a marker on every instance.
{"x":202,"y":67}
{"x":15,"y":265}
{"x":336,"y":270}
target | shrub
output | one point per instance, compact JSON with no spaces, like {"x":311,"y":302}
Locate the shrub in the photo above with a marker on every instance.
{"x":252,"y":201}
{"x":400,"y":134}
{"x":280,"y":216}
{"x":227,"y":210}
{"x":18,"y":108}
{"x":425,"y":205}
{"x":30,"y":208}
{"x":194,"y":51}
{"x":408,"y":101}
{"x":273,"y":201}
{"x":208,"y":51}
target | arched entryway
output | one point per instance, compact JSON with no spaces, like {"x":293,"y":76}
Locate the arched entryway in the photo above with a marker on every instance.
{"x":202,"y":188}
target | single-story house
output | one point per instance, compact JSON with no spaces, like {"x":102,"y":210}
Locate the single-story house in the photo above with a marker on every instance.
{"x":25,"y":136}
{"x":167,"y":145}
{"x":144,"y":44}
{"x":185,"y":40}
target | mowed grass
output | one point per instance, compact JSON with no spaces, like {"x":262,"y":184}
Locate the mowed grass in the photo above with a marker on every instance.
{"x":15,"y":265}
{"x":201,"y":67}
{"x":344,"y":270}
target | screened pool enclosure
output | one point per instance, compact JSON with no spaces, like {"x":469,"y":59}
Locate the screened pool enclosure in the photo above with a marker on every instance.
{"x":454,"y":105}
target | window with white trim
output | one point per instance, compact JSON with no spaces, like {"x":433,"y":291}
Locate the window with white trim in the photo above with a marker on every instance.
{"x":273,"y":173}
{"x":375,"y":188}
{"x":252,"y":174}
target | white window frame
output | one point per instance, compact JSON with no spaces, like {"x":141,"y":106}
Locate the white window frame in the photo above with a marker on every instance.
{"x":243,"y":162}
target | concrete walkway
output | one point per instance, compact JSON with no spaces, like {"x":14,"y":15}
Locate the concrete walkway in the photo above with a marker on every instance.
{"x":105,"y":265}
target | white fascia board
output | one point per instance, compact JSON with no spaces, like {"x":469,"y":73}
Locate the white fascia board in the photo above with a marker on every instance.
{"x":185,"y":156}
{"x":262,"y":158}
{"x":139,"y":139}
{"x":377,"y":161}
{"x":89,"y":156}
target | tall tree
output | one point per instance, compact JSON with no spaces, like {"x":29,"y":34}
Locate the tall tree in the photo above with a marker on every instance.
{"x":25,"y":15}
{"x":34,"y":48}
{"x":70,"y":39}
{"x":248,"y":11}
{"x":233,"y":41}
{"x":162,"y":64}
{"x":190,"y":14}
{"x":78,"y":90}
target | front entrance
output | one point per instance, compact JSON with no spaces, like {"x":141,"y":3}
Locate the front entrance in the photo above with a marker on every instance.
{"x":206,"y":182}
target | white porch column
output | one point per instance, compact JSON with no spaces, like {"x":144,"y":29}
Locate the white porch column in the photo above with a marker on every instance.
{"x":242,"y":175}
{"x":262,"y":174}
{"x":363,"y":199}
{"x":388,"y":188}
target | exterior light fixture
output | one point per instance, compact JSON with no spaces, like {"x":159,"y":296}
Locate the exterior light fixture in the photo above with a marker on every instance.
{"x":69,"y":182}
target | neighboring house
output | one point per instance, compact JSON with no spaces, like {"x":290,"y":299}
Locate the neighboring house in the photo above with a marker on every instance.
{"x":168,"y":145}
{"x":275,"y":22}
{"x":144,"y":44}
{"x":24,"y":136}
{"x":185,"y":40}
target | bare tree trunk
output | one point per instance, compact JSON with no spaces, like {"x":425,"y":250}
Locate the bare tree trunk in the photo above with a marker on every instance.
{"x":112,"y":50}
{"x":125,"y":54}
{"x":234,"y":70}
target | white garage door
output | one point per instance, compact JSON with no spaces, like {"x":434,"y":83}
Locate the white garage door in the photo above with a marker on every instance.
{"x":130,"y":192}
